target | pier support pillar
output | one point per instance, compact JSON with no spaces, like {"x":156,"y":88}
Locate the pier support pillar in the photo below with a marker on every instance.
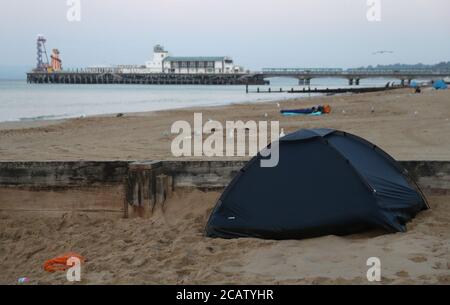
{"x":357,"y":81}
{"x":304,"y":81}
{"x":350,"y":81}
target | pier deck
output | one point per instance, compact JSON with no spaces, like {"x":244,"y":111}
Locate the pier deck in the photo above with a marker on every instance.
{"x":144,"y":78}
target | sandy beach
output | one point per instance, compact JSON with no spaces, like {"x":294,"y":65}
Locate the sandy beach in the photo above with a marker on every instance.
{"x":406,"y":125}
{"x":170,"y":248}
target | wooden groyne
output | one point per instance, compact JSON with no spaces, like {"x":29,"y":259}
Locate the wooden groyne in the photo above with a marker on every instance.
{"x":144,"y":78}
{"x":324,"y":91}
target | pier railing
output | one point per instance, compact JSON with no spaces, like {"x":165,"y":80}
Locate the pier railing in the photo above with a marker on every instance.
{"x":351,"y":72}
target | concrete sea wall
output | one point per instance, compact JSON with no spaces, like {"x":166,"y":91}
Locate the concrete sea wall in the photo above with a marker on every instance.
{"x":55,"y":174}
{"x":62,"y":186}
{"x":138,"y":188}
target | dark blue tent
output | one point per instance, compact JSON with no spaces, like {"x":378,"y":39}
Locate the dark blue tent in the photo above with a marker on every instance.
{"x":440,"y":84}
{"x":326,"y":182}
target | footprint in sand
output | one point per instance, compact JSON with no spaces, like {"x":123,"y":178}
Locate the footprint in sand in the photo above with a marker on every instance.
{"x":418,"y":259}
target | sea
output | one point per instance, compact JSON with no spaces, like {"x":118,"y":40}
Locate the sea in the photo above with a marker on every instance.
{"x":20,"y":101}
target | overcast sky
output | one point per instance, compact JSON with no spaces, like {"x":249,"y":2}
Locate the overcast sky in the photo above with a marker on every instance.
{"x":256,"y":33}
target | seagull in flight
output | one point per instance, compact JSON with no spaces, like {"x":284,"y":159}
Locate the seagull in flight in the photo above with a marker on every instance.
{"x":382,"y":52}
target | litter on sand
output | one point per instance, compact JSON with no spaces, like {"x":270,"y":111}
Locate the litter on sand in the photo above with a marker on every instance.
{"x":60,"y":263}
{"x":23,"y":280}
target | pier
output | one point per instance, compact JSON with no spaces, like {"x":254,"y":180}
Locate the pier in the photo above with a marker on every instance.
{"x":304,"y":77}
{"x":62,"y":77}
{"x":354,"y":76}
{"x":201,"y":70}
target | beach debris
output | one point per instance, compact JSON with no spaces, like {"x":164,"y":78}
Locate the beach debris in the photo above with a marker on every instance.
{"x":59,"y":263}
{"x":282,"y":134}
{"x":278,"y":105}
{"x":372,"y":109}
{"x":119,"y":115}
{"x":416,"y":112}
{"x":265,"y":115}
{"x":313,"y":111}
{"x":23,"y":280}
{"x":343,"y":111}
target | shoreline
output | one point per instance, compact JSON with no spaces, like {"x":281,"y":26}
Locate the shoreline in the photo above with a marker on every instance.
{"x":92,"y":101}
{"x":26,"y":124}
{"x":408,"y":126}
{"x":47,"y":119}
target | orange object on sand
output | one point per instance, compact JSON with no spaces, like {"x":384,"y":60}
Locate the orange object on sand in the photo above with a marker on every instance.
{"x":327,"y":109}
{"x":60,"y":263}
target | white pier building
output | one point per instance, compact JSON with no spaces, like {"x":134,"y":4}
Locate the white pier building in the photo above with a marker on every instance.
{"x":164,"y":63}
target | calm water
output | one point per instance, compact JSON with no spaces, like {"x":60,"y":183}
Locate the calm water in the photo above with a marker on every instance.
{"x":22,"y":101}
